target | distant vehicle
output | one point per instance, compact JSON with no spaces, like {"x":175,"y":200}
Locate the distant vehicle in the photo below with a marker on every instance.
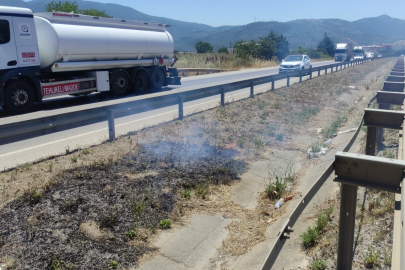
{"x":379,"y":55}
{"x":370,"y":55}
{"x":343,"y":52}
{"x":295,"y":62}
{"x":359,"y":53}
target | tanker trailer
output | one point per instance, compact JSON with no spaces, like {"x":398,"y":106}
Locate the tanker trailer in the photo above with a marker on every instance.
{"x":55,"y":53}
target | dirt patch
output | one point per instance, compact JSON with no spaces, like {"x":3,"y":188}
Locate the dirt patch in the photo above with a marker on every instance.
{"x":166,"y":172}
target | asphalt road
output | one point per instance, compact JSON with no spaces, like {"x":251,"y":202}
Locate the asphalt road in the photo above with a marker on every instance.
{"x":28,"y":150}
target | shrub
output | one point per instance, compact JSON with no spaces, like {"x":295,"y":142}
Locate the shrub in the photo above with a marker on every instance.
{"x":318,"y":265}
{"x":223,"y":50}
{"x":165,"y":224}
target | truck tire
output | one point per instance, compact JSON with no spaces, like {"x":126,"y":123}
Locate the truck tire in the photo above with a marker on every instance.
{"x":19,"y":97}
{"x":141,"y":81}
{"x":119,"y":82}
{"x":157,"y":79}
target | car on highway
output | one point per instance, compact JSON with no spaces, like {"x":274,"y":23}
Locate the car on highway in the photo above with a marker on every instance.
{"x":379,"y":55}
{"x":294,"y":63}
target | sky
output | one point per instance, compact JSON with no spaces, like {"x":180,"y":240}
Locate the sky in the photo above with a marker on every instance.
{"x":241,"y":12}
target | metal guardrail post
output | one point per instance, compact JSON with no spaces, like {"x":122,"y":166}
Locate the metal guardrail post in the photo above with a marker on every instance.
{"x":380,"y":131}
{"x":288,"y":80}
{"x":326,"y":70}
{"x":272,"y":83}
{"x":252,"y":94}
{"x":310,"y":72}
{"x":111,"y":125}
{"x":181,"y":112}
{"x":300,"y":75}
{"x":348,"y":211}
{"x":337,"y":67}
{"x":331,"y":69}
{"x":222,"y":96}
{"x":319,"y":72}
{"x":347,"y":219}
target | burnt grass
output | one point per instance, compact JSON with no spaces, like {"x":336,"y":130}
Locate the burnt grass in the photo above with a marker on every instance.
{"x":41,"y":229}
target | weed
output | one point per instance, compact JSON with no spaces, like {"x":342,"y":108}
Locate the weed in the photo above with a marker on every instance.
{"x":316,"y":147}
{"x":32,"y":196}
{"x":367,"y":87}
{"x":202,"y":191}
{"x":276,"y":189}
{"x":131,"y":233}
{"x":71,"y":205}
{"x":87,"y":151}
{"x":137,"y":208}
{"x":73,"y":159}
{"x":275,"y":105}
{"x":334,"y":127}
{"x":113,"y":264}
{"x":279,"y":137}
{"x":259,"y":143}
{"x":59,"y":264}
{"x":67,"y":150}
{"x":371,"y":258}
{"x":310,"y":237}
{"x":185,"y":193}
{"x":318,"y":265}
{"x":108,"y":220}
{"x":165,"y":224}
{"x":321,"y":223}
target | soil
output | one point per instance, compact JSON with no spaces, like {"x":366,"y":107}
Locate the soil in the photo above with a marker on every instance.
{"x":94,"y":207}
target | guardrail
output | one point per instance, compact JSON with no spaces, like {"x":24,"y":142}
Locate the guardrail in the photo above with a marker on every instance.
{"x":183,"y":71}
{"x":16,"y":131}
{"x":395,"y":170}
{"x":368,"y":171}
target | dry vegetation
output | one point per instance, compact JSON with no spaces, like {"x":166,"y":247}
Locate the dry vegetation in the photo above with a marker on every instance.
{"x":101,"y":207}
{"x":226,"y":61}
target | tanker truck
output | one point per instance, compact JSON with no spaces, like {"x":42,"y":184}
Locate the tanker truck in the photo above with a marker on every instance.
{"x":49,"y":54}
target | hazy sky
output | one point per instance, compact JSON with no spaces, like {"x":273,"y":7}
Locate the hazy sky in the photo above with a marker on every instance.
{"x":240,"y":12}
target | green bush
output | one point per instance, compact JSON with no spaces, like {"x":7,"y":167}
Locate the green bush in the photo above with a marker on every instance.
{"x":318,"y":265}
{"x":223,"y":50}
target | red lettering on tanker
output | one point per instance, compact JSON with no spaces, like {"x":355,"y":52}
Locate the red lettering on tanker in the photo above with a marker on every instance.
{"x":28,"y":55}
{"x":62,"y":15}
{"x":59,"y":88}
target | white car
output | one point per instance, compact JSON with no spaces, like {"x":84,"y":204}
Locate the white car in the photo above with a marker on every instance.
{"x":294,"y":63}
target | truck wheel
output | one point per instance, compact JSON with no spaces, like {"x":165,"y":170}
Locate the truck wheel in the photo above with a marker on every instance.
{"x":19,"y":97}
{"x":119,"y":82}
{"x":141,"y":81}
{"x":158,"y":78}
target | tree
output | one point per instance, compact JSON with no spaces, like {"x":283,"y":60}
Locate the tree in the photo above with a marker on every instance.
{"x":247,"y":49}
{"x":67,"y":6}
{"x":326,"y":46}
{"x":203,"y":47}
{"x":223,"y":50}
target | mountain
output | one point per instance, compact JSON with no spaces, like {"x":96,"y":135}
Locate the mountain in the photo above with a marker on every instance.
{"x":302,"y":32}
{"x":308,"y":33}
{"x":185,"y":34}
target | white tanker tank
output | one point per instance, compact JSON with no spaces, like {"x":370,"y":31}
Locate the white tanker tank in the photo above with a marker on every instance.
{"x":64,"y":38}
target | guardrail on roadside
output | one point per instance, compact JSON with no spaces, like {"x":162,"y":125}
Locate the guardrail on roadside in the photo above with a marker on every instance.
{"x":349,"y":187}
{"x":198,"y":71}
{"x":44,"y":125}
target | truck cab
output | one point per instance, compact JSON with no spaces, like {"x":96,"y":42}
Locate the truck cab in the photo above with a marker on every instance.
{"x":20,"y":57}
{"x":343,"y":52}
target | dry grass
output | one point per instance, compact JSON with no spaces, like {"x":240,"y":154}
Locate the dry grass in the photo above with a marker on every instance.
{"x":135,"y":182}
{"x":221,"y":61}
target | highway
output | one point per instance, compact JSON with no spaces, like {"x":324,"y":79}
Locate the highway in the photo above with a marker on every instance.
{"x":29,"y":150}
